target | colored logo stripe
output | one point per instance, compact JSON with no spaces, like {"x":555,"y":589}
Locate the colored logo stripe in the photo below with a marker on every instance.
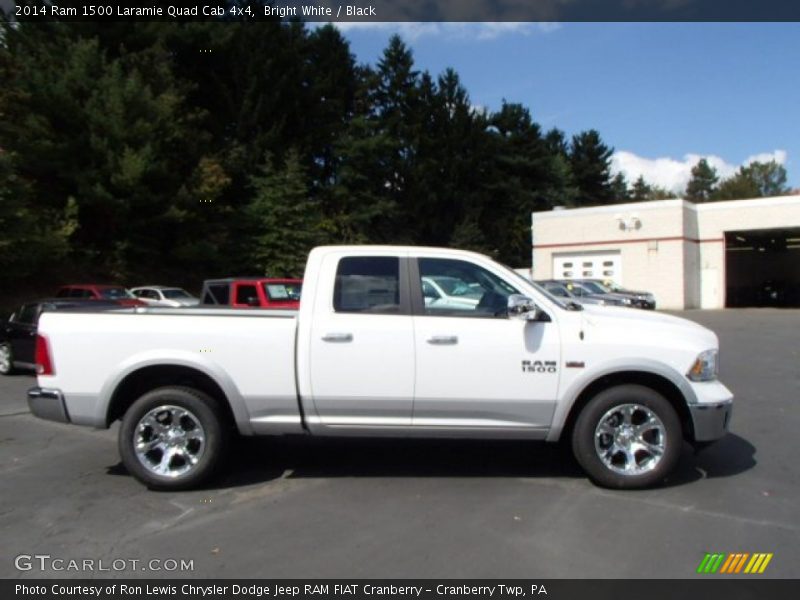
{"x":734,"y":562}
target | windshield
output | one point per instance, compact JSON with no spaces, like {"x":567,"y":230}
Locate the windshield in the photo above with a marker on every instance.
{"x":594,"y":287}
{"x":114,"y":293}
{"x":175,"y":294}
{"x":283,"y":291}
{"x":560,"y":302}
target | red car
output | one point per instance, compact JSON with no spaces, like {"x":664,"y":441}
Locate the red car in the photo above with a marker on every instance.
{"x":92,"y":291}
{"x":252,"y":292}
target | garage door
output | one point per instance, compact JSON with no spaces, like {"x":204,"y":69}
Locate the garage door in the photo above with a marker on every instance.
{"x":762,"y":267}
{"x":588,"y":265}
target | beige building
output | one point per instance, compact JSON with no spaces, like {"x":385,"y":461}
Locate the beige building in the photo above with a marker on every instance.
{"x":735,"y":253}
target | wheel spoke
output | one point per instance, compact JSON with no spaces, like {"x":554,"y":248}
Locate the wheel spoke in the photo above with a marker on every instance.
{"x":630,"y":459}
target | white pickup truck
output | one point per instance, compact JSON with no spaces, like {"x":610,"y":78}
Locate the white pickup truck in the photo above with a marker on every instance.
{"x":373,"y":352}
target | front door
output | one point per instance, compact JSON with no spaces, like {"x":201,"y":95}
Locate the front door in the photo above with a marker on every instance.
{"x":476,"y":368}
{"x":362,"y":344}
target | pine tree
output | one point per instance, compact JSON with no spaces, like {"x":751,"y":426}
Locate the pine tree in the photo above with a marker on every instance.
{"x":641,"y":191}
{"x":619,"y":187}
{"x":590,"y":160}
{"x":703,"y":183}
{"x":286,"y":221}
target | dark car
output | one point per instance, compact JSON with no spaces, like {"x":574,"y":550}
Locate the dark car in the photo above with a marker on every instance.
{"x":638,"y":299}
{"x":18,"y":334}
{"x":94,"y":291}
{"x":252,"y":292}
{"x":585,"y":292}
{"x":561,"y":289}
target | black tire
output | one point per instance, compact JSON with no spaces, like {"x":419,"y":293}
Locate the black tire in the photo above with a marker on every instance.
{"x":7,"y":367}
{"x":194,"y":407}
{"x":664,"y":433}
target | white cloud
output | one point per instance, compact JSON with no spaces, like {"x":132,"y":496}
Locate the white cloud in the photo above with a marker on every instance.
{"x":673,"y":174}
{"x":450,"y":31}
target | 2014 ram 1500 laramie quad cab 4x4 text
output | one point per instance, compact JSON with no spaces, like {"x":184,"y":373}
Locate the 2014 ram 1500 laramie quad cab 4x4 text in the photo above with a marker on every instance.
{"x":373,"y":352}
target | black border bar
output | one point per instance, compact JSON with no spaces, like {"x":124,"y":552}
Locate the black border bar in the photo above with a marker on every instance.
{"x":733,"y":588}
{"x":406,"y":10}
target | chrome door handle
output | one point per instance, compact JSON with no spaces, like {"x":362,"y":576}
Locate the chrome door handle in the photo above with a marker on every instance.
{"x":337,"y":337}
{"x":443,"y":340}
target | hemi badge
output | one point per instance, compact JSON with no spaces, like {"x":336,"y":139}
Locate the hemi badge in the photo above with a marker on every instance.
{"x":574,"y":364}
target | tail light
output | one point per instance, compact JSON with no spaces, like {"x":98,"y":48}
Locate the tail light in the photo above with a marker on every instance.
{"x":44,"y":363}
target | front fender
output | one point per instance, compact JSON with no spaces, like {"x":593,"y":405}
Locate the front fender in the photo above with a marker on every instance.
{"x":652,"y":367}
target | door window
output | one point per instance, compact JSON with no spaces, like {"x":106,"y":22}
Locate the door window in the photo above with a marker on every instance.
{"x":367,"y":284}
{"x":247,"y":294}
{"x":462,"y":289}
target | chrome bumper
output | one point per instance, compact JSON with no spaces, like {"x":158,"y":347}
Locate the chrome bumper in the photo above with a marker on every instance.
{"x":48,"y":404}
{"x":710,"y":420}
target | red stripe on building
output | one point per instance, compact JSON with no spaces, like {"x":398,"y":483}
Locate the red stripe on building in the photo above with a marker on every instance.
{"x":636,"y":241}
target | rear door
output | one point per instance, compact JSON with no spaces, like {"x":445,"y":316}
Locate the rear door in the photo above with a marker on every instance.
{"x":477,"y":369}
{"x":362,"y":343}
{"x":245,"y":295}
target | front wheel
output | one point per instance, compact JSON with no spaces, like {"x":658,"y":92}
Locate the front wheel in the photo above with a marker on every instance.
{"x":173,"y":438}
{"x":6,"y":359}
{"x":627,"y":437}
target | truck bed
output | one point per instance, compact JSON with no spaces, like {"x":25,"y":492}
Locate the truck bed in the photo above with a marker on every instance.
{"x":249,"y":352}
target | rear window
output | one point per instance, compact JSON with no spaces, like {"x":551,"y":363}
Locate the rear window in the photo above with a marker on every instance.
{"x":114,"y":293}
{"x":175,"y":294}
{"x":28,"y":314}
{"x":367,"y":284}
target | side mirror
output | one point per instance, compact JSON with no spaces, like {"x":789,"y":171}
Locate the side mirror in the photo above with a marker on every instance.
{"x":522,"y":307}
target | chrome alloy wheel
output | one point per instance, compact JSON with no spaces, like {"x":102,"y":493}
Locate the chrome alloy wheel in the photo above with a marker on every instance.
{"x":169,"y":441}
{"x":5,"y":358}
{"x":630,"y":439}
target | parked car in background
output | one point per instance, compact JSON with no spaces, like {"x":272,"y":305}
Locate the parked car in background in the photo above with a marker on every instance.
{"x":160,"y":295}
{"x":451,"y":292}
{"x":92,"y":291}
{"x":589,"y":293}
{"x":559,"y":289}
{"x":18,"y":334}
{"x":638,"y":299}
{"x":252,"y":292}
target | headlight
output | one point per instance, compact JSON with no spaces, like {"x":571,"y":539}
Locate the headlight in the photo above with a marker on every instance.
{"x":625,"y":301}
{"x":705,"y":368}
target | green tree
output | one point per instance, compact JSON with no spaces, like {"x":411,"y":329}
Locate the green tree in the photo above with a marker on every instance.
{"x":641,"y":191}
{"x":756,"y":180}
{"x":590,"y":160}
{"x":702,"y":185}
{"x":286,"y":221}
{"x":619,"y":188}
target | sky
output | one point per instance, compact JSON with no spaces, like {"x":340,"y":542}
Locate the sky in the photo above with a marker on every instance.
{"x":663,"y":95}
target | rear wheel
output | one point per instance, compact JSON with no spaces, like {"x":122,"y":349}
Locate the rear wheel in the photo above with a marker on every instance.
{"x":6,"y":359}
{"x":173,"y":438}
{"x":627,"y":437}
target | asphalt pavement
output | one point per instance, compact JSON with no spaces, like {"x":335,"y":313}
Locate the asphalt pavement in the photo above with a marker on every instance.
{"x":396,"y":508}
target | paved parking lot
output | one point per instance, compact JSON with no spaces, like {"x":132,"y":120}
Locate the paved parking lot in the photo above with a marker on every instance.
{"x":312,"y":508}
